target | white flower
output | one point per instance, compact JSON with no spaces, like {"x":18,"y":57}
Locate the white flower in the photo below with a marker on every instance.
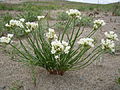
{"x":7,"y":25}
{"x":5,"y":40}
{"x":95,"y":26}
{"x":79,"y":17}
{"x":98,"y":23}
{"x":111,"y":35}
{"x":57,"y":47}
{"x":27,"y":30}
{"x":56,"y":57}
{"x":53,"y":51}
{"x":67,"y":49}
{"x":108,"y":44}
{"x":16,"y":23}
{"x":51,"y":34}
{"x":10,"y":35}
{"x":40,"y":17}
{"x":31,"y":25}
{"x":13,"y":22}
{"x":86,"y":42}
{"x":64,"y":43}
{"x":74,"y":13}
{"x":51,"y":30}
{"x":22,"y":20}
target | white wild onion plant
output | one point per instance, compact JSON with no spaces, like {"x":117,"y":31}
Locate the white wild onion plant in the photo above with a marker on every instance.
{"x":58,"y":53}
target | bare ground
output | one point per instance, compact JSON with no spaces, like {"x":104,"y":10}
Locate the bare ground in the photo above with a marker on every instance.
{"x":100,"y":75}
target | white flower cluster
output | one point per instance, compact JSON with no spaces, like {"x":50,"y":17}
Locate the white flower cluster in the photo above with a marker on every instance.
{"x":18,"y":23}
{"x":51,"y":35}
{"x":66,"y":47}
{"x":98,"y":23}
{"x":86,"y":42}
{"x":111,"y":35}
{"x":57,"y":57}
{"x":22,"y":20}
{"x":31,"y":26}
{"x":74,"y":13}
{"x":58,"y":47}
{"x":6,"y":39}
{"x":108,"y":44}
{"x":40,"y":17}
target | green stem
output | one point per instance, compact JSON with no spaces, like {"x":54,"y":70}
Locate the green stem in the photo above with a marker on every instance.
{"x":69,"y":21}
{"x":74,"y":42}
{"x":81,"y":32}
{"x":94,"y":57}
{"x":19,"y":51}
{"x":75,"y":38}
{"x":79,"y":55}
{"x":91,"y":33}
{"x":59,"y":36}
{"x":87,"y":63}
{"x":73,"y":30}
{"x":89,"y":54}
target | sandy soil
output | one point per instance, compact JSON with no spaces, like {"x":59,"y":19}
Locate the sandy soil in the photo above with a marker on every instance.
{"x":100,"y":75}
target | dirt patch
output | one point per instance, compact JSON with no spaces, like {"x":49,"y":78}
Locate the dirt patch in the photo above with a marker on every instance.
{"x":13,"y":13}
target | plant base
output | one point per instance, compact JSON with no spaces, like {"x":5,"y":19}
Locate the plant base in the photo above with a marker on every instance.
{"x":56,"y":72}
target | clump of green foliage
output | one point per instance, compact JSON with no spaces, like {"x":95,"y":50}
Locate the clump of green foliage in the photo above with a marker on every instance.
{"x":58,"y":53}
{"x":3,"y":20}
{"x":7,"y":6}
{"x":116,"y":9}
{"x":62,"y":16}
{"x":60,"y":25}
{"x":29,"y":15}
{"x":85,"y":21}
